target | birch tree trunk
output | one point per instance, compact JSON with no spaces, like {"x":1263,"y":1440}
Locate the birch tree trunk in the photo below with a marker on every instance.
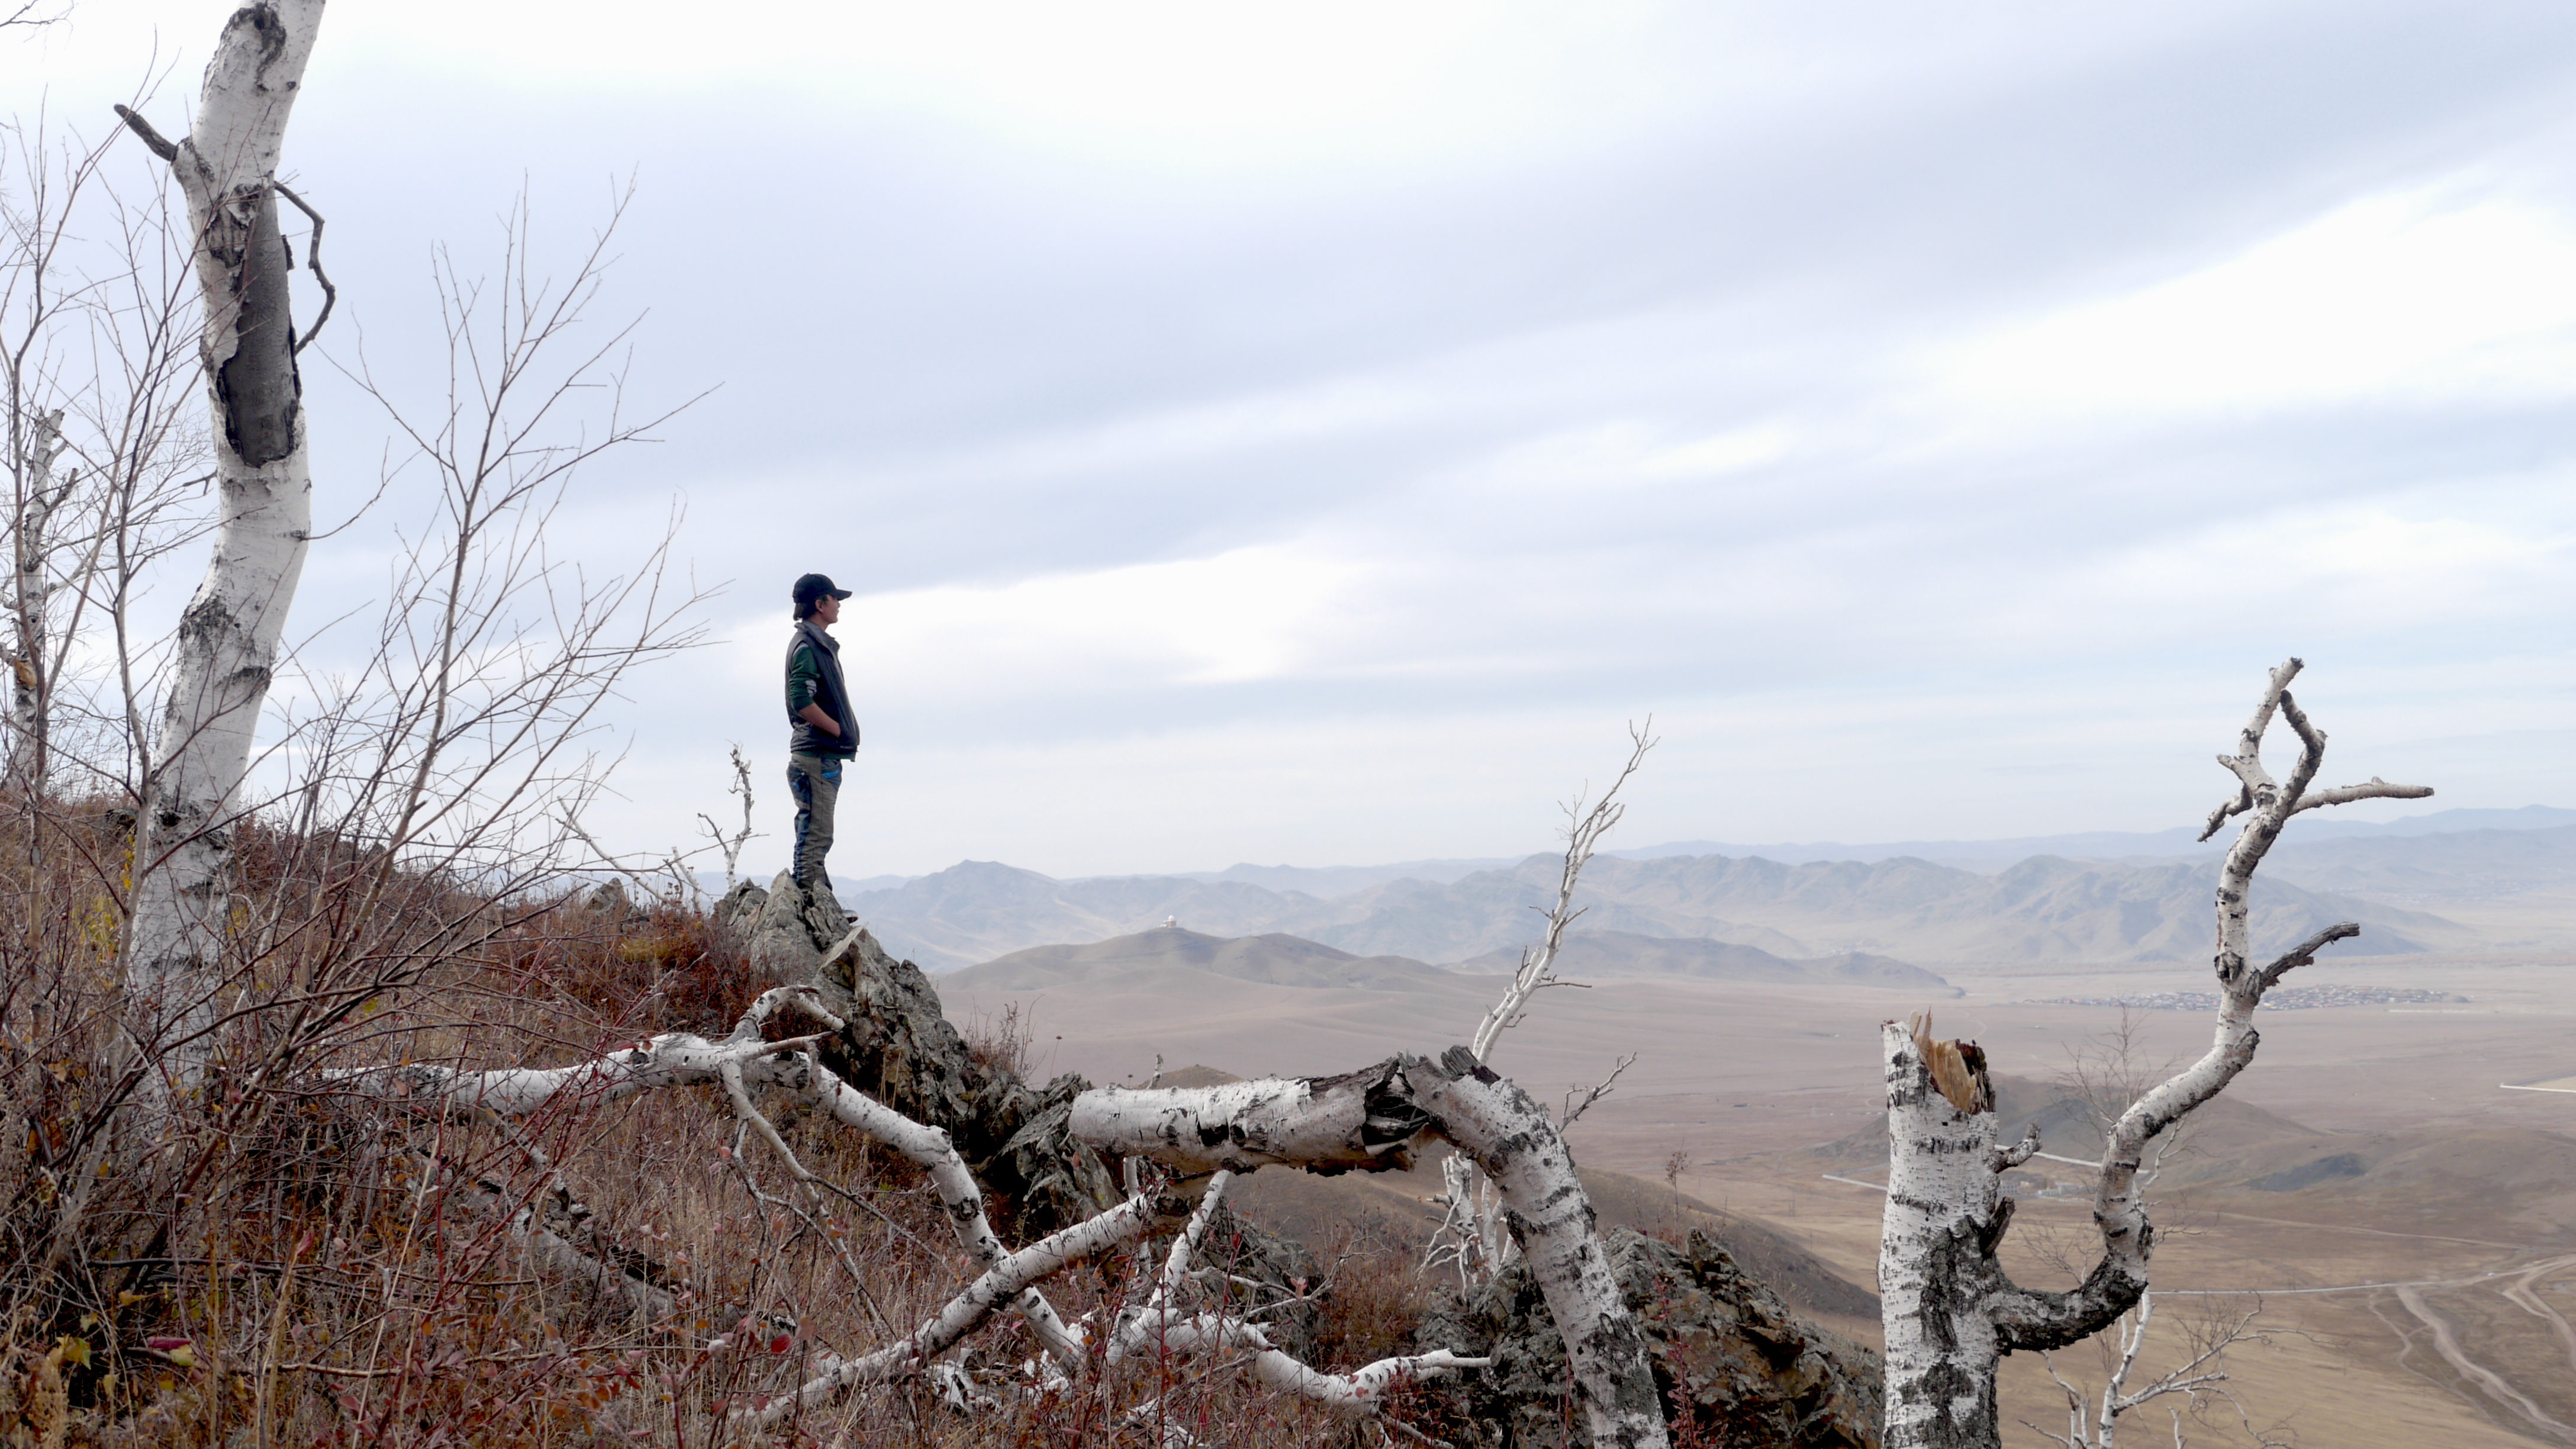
{"x":1945,"y":1214}
{"x":228,"y":637}
{"x":1368,"y":1120}
{"x":1949,"y":1311}
{"x":1471,"y":1235}
{"x":39,"y":497}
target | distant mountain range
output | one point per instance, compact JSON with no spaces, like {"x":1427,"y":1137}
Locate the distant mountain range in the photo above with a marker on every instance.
{"x":2121,"y":845}
{"x":1331,"y":881}
{"x":1274,"y":959}
{"x":1170,"y":952}
{"x":2043,"y":908}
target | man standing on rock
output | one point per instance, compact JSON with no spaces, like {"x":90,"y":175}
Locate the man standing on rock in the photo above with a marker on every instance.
{"x":825,"y":730}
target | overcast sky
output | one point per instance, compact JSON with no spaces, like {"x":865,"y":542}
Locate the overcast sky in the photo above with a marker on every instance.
{"x":1308,"y":433}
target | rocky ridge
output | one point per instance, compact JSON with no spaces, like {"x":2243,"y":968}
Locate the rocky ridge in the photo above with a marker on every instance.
{"x":1730,"y":1357}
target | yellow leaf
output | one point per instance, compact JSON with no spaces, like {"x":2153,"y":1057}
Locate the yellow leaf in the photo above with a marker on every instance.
{"x":75,"y":1351}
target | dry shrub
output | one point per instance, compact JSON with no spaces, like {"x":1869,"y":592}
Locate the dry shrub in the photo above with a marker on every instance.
{"x":657,"y":967}
{"x":1375,"y":1293}
{"x":999,"y":1041}
{"x":294,"y":1266}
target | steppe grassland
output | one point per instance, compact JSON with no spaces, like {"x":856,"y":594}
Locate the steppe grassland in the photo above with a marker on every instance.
{"x":1741,"y":1078}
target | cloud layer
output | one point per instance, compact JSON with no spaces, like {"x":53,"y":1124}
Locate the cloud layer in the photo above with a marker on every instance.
{"x":1307,"y":435}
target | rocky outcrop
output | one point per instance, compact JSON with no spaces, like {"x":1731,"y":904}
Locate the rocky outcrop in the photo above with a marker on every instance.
{"x":899,"y":1047}
{"x":783,"y":944}
{"x":1732,"y":1363}
{"x":1729,"y":1356}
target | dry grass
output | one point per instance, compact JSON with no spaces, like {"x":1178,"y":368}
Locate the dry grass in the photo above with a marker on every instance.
{"x":294,"y":1266}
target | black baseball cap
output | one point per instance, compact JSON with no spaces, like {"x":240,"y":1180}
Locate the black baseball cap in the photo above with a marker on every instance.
{"x":815,"y":586}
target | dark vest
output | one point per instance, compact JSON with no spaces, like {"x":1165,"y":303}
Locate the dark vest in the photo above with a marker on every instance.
{"x":829,"y":692}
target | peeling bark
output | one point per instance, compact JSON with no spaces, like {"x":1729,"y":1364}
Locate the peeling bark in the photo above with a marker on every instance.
{"x":1000,"y":1284}
{"x":1160,"y":1327}
{"x":1510,"y":1138}
{"x":1935,"y":1265}
{"x":228,"y":636}
{"x":1950,"y":1312}
{"x":1324,"y":1124}
{"x":680,"y":1058}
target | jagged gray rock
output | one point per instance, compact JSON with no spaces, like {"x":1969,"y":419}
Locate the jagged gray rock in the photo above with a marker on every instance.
{"x":739,"y":906}
{"x":782,"y":946}
{"x":1733,"y":1364}
{"x":899,"y":1047}
{"x":1048,"y":1179}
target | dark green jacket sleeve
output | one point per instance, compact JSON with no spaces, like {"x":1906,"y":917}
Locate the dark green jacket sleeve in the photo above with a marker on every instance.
{"x":803,"y":676}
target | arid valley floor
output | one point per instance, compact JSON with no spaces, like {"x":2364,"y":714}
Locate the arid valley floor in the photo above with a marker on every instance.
{"x":2418,"y":1276}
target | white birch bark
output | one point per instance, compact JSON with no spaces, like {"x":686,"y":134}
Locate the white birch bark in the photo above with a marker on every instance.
{"x":1325,"y":1124}
{"x":1160,"y":1327}
{"x":1000,"y":1284}
{"x":738,"y":1060}
{"x":1495,"y":1124}
{"x":1950,"y":1313}
{"x":228,"y":637}
{"x":1515,"y":1144}
{"x":1944,"y":1214}
{"x":671,"y":1059}
{"x":39,"y":498}
{"x":1471,"y":1235}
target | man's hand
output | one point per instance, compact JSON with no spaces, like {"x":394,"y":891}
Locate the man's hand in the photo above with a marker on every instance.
{"x":813,"y":715}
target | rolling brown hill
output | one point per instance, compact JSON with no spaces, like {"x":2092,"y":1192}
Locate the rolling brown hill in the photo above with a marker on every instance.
{"x":1616,"y":954}
{"x":1275,"y":959}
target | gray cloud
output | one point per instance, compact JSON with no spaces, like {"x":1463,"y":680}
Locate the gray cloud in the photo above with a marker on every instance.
{"x":1663,"y":412}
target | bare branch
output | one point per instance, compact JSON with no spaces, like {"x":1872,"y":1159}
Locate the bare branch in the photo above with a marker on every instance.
{"x":1363,"y":1119}
{"x":161,"y":145}
{"x":2377,"y":789}
{"x":999,"y":1285}
{"x":1494,"y":1124}
{"x":1584,"y":829}
{"x":2304,"y":954}
{"x":2002,"y":1159}
{"x":1573,"y":1109}
{"x":313,"y":260}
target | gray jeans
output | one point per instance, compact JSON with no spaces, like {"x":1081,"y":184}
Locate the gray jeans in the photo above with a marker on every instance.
{"x":815,"y":781}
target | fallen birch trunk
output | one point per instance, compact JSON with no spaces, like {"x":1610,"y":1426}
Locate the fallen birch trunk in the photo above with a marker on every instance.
{"x":969,"y":1310}
{"x":1161,"y":1327}
{"x":681,"y":1058}
{"x":1510,"y":1138}
{"x":1361,"y":1120}
{"x":1950,"y":1312}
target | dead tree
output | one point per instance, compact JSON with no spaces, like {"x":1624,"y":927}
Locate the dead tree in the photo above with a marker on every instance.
{"x":2200,"y":1381}
{"x":1950,"y":1311}
{"x":1369,"y":1120}
{"x":1272,"y":1122}
{"x":229,"y":635}
{"x":97,"y":354}
{"x":730,"y":846}
{"x":38,"y":499}
{"x":1471,"y":1237}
